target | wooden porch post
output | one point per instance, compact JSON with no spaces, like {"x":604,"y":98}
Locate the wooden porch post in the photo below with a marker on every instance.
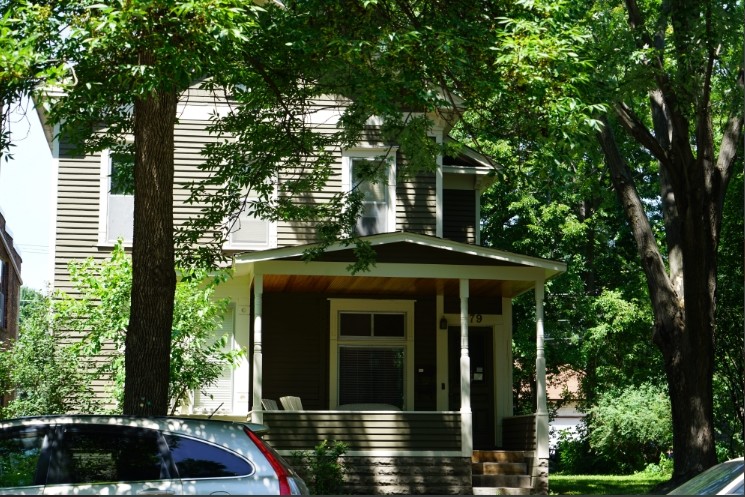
{"x":540,"y":373}
{"x":465,"y":374}
{"x":257,"y":416}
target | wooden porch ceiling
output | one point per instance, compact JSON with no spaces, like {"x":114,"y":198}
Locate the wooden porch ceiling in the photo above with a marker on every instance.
{"x":374,"y":285}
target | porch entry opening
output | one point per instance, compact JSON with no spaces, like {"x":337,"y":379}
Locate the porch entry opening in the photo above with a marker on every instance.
{"x":481,"y":352}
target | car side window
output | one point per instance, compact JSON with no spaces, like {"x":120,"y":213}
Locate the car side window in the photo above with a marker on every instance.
{"x":98,"y":454}
{"x":195,"y":459}
{"x":20,"y":454}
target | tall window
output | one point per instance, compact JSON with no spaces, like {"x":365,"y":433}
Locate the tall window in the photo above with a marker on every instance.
{"x":117,"y":198}
{"x":372,"y":172}
{"x":372,"y":352}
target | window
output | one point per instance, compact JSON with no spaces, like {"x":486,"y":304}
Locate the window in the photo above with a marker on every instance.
{"x":195,"y":459}
{"x":20,"y":451}
{"x":250,"y":231}
{"x":97,"y":454}
{"x":372,"y":172}
{"x":372,"y":352}
{"x":117,"y":198}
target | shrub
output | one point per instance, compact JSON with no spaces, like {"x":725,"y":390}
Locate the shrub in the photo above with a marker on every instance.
{"x":322,"y":468}
{"x":632,"y":427}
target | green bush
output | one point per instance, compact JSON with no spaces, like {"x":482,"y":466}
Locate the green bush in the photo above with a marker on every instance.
{"x":322,"y":468}
{"x":632,"y":427}
{"x":38,"y":371}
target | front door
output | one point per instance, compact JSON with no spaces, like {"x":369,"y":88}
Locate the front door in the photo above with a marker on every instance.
{"x":481,"y":347}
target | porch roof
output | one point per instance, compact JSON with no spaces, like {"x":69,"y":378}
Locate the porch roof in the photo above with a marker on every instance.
{"x":406,"y":263}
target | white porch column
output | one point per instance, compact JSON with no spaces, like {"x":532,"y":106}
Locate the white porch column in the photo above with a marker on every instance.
{"x":540,"y":374}
{"x":465,"y":374}
{"x":257,"y":416}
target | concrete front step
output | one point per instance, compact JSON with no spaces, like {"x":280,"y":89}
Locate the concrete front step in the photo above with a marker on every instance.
{"x":500,"y":491}
{"x":498,"y":456}
{"x":499,"y":468}
{"x":514,"y":481}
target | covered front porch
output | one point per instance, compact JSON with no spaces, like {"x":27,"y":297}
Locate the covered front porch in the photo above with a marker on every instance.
{"x":445,"y":351}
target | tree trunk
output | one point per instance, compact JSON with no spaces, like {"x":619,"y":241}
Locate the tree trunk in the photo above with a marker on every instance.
{"x":684,"y":322}
{"x":148,"y":341}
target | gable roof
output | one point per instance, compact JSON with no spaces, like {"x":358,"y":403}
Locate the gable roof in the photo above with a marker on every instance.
{"x":423,"y":260}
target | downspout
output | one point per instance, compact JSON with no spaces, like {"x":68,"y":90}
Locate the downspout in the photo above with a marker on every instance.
{"x":257,"y":414}
{"x":465,"y":375}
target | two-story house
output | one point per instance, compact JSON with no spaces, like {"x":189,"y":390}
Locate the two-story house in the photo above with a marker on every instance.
{"x":409,"y":363}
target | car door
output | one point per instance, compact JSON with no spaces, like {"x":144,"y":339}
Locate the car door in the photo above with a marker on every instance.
{"x":109,"y":459}
{"x":23,"y":460}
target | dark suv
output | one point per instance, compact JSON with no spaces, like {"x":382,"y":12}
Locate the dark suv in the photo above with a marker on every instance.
{"x":118,"y":455}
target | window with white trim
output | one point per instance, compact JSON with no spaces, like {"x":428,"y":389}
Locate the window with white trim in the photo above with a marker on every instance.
{"x":116,"y":217}
{"x":372,"y":352}
{"x":372,"y":172}
{"x":250,"y":231}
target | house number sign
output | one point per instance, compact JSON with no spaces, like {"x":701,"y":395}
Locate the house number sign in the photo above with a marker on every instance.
{"x":476,"y":318}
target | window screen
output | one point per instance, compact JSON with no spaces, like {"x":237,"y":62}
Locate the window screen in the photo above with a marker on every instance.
{"x":371,"y":375}
{"x":195,"y":459}
{"x":98,"y":454}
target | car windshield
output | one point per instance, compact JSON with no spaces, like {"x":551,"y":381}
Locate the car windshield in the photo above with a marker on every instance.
{"x":711,"y":481}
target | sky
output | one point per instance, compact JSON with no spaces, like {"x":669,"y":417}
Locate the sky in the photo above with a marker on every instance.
{"x":26,"y":197}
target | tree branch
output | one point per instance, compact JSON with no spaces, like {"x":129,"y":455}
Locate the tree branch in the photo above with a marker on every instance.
{"x":639,"y":132}
{"x":661,"y":290}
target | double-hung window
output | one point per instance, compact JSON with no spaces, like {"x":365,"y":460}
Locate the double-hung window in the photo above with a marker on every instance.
{"x":372,"y":173}
{"x":116,"y":218}
{"x":372,"y":352}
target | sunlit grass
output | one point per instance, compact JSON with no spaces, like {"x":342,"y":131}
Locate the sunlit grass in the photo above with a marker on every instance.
{"x":638,"y":484}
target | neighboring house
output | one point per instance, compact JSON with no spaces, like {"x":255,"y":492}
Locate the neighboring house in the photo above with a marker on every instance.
{"x":410,"y":363}
{"x":564,"y":396}
{"x":10,"y":287}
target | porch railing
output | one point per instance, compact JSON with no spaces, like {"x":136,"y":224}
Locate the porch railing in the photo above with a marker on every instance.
{"x":519,"y":432}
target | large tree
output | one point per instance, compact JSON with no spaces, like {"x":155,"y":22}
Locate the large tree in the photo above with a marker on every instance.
{"x":129,"y":61}
{"x":676,"y":98}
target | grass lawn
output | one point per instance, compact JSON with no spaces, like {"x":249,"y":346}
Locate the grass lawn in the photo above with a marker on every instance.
{"x":638,"y":484}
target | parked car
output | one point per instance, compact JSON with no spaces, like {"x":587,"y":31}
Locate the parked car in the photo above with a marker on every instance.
{"x":723,"y":479}
{"x":117,"y":455}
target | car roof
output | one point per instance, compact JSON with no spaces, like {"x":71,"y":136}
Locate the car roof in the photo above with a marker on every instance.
{"x":216,"y":431}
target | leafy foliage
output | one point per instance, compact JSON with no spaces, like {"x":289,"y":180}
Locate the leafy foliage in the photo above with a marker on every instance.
{"x":41,"y":373}
{"x":631,"y":427}
{"x":100,"y":311}
{"x":52,"y":377}
{"x":323,"y":467}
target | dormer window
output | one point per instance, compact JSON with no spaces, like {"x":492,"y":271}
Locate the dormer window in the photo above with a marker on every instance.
{"x":372,"y":172}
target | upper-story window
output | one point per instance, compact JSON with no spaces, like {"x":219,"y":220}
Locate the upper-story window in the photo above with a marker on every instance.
{"x":116,"y":217}
{"x":372,"y":172}
{"x":250,"y":232}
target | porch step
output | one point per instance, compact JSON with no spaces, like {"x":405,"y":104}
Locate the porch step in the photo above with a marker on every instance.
{"x":498,"y":456}
{"x":499,"y":468}
{"x":511,"y":481}
{"x":500,"y":472}
{"x":500,"y":491}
